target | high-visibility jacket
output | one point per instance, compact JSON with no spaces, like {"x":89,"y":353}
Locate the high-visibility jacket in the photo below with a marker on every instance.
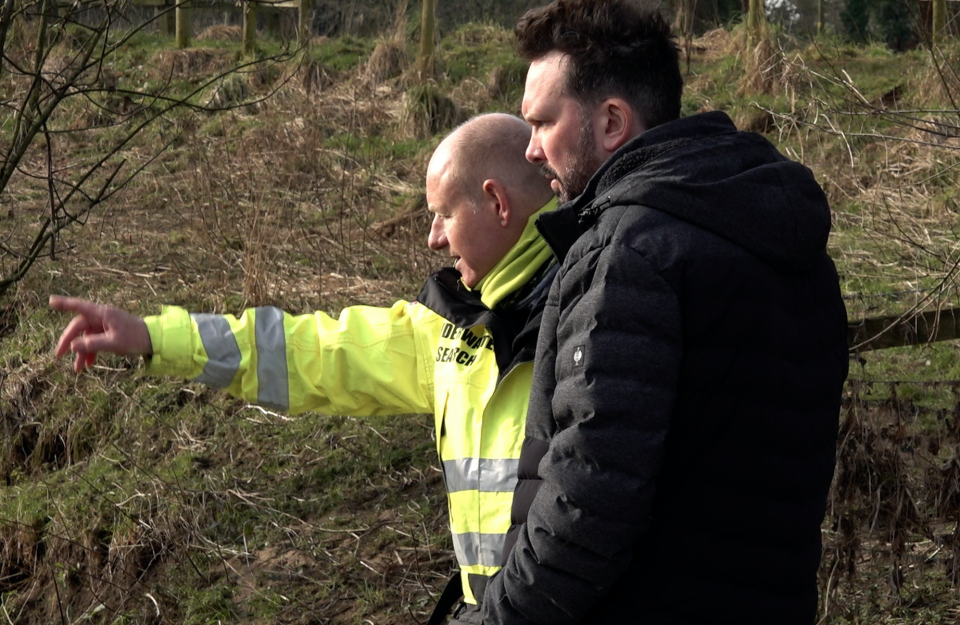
{"x":446,"y":354}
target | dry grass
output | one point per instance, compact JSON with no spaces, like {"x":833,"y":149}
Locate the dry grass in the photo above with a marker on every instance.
{"x":119,"y":533}
{"x":190,"y":64}
{"x":504,"y":80}
{"x":428,"y":111}
{"x":388,"y":60}
{"x":220,"y":32}
{"x":714,"y":44}
{"x":892,"y":509}
{"x":940,"y":79}
{"x":314,"y":76}
{"x":269,"y":205}
{"x":763,"y":69}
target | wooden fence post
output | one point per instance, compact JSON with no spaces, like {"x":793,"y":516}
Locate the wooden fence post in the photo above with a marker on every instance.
{"x":304,"y":20}
{"x":249,"y":27}
{"x":183,"y":23}
{"x":938,"y":34}
{"x":427,"y":33}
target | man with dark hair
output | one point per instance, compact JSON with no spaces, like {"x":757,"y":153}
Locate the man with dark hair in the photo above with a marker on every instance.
{"x":682,"y":425}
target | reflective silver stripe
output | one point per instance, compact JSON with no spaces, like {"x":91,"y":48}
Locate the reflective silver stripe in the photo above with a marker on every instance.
{"x":223,"y":353}
{"x":486,"y":475}
{"x":475,"y":548}
{"x":273,"y":391}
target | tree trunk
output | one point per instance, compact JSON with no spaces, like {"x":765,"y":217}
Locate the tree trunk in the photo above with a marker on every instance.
{"x":756,"y":22}
{"x":685,"y":17}
{"x":427,"y":34}
{"x":249,"y":37}
{"x":938,"y":33}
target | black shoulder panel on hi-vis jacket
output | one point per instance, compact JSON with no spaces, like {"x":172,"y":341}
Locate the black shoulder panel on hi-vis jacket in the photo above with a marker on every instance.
{"x":514,"y":326}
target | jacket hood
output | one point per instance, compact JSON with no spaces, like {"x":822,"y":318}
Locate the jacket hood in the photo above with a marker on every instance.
{"x":702,"y":170}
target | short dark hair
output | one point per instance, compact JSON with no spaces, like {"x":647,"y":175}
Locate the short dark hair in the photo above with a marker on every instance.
{"x":617,"y":48}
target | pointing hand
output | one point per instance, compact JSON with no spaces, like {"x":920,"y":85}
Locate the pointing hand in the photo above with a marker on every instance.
{"x":98,"y":328}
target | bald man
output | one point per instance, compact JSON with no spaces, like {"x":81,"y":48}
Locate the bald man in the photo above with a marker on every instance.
{"x":462,"y":351}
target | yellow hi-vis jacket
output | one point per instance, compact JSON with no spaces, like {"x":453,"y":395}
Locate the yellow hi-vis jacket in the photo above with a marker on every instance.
{"x":445,"y":354}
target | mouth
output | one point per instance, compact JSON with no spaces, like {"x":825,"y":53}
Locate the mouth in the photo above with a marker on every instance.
{"x":551,"y":175}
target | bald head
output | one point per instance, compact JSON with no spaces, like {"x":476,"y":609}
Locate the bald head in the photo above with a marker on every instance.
{"x":492,"y":146}
{"x":482,"y":191}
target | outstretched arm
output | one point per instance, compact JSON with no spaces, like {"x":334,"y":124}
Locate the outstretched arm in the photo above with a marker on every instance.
{"x":370,"y":361}
{"x":97,"y":328}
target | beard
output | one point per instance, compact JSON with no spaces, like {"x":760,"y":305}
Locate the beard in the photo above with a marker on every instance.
{"x":584,"y":162}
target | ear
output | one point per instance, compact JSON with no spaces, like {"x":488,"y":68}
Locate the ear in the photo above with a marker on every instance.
{"x":495,"y":194}
{"x":617,"y":124}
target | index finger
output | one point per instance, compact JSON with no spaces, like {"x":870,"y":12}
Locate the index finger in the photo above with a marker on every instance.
{"x":74,"y":305}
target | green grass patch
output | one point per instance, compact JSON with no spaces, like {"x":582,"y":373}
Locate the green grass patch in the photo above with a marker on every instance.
{"x":342,"y":53}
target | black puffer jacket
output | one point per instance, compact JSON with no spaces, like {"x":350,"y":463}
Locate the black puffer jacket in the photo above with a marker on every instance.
{"x":686,"y":392}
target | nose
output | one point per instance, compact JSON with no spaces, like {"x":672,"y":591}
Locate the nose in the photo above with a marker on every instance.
{"x":437,"y":240}
{"x":534,"y":151}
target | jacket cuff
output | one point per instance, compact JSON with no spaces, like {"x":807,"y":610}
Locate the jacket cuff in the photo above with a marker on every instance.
{"x":171,"y":334}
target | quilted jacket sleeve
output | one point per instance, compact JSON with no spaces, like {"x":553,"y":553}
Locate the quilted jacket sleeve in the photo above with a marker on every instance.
{"x":604,"y":389}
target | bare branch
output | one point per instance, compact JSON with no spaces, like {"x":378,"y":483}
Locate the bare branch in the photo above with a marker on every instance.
{"x":43,"y":85}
